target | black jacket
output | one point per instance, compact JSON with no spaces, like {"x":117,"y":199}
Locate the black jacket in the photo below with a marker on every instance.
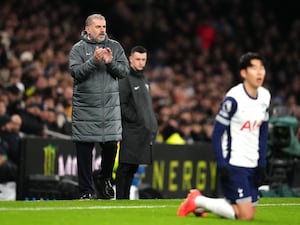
{"x":138,"y":120}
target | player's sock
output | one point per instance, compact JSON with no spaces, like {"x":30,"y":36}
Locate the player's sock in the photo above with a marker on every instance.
{"x":216,"y":205}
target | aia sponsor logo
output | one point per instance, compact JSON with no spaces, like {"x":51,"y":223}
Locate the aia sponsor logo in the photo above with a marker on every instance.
{"x":251,"y":125}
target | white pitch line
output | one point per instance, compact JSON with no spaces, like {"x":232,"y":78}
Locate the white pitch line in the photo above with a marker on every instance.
{"x":116,"y":207}
{"x":280,"y":204}
{"x":79,"y":208}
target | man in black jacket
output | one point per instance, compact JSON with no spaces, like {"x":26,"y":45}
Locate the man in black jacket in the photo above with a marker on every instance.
{"x":96,"y":63}
{"x":138,"y":122}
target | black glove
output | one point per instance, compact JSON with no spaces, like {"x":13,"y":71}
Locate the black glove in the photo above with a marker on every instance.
{"x":261,"y":175}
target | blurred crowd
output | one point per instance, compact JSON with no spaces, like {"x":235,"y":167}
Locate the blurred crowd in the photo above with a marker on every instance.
{"x":193,"y":47}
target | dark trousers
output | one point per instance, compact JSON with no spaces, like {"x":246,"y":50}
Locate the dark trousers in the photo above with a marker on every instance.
{"x":84,"y":164}
{"x":125,"y":174}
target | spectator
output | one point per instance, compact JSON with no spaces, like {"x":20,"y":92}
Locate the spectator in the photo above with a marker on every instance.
{"x":9,"y":145}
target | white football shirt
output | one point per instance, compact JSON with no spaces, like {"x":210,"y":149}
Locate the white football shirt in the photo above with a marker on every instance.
{"x":243,"y":115}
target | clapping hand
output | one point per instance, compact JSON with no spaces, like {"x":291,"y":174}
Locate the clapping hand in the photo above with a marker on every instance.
{"x":108,"y":56}
{"x":99,"y":54}
{"x":104,"y":54}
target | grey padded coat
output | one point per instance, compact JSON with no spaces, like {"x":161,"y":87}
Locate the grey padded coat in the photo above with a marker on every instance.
{"x":96,"y":113}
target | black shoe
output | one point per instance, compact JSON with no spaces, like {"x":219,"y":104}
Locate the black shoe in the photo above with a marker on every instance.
{"x":88,"y":197}
{"x":104,"y":188}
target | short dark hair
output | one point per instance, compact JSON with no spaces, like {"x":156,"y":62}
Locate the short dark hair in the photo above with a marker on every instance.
{"x":139,"y":49}
{"x":245,"y":59}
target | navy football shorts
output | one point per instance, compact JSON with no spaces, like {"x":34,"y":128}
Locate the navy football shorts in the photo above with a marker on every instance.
{"x":241,"y":186}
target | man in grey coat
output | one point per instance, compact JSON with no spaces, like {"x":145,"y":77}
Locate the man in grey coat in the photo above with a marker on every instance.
{"x":138,"y":122}
{"x":96,"y":63}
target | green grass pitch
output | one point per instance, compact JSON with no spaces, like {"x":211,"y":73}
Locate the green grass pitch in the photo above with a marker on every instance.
{"x":273,"y":211}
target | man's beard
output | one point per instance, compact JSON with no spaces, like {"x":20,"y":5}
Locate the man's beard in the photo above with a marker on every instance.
{"x":99,"y":38}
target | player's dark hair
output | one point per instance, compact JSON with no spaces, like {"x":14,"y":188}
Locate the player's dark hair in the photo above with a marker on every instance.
{"x":139,"y":49}
{"x":245,"y":60}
